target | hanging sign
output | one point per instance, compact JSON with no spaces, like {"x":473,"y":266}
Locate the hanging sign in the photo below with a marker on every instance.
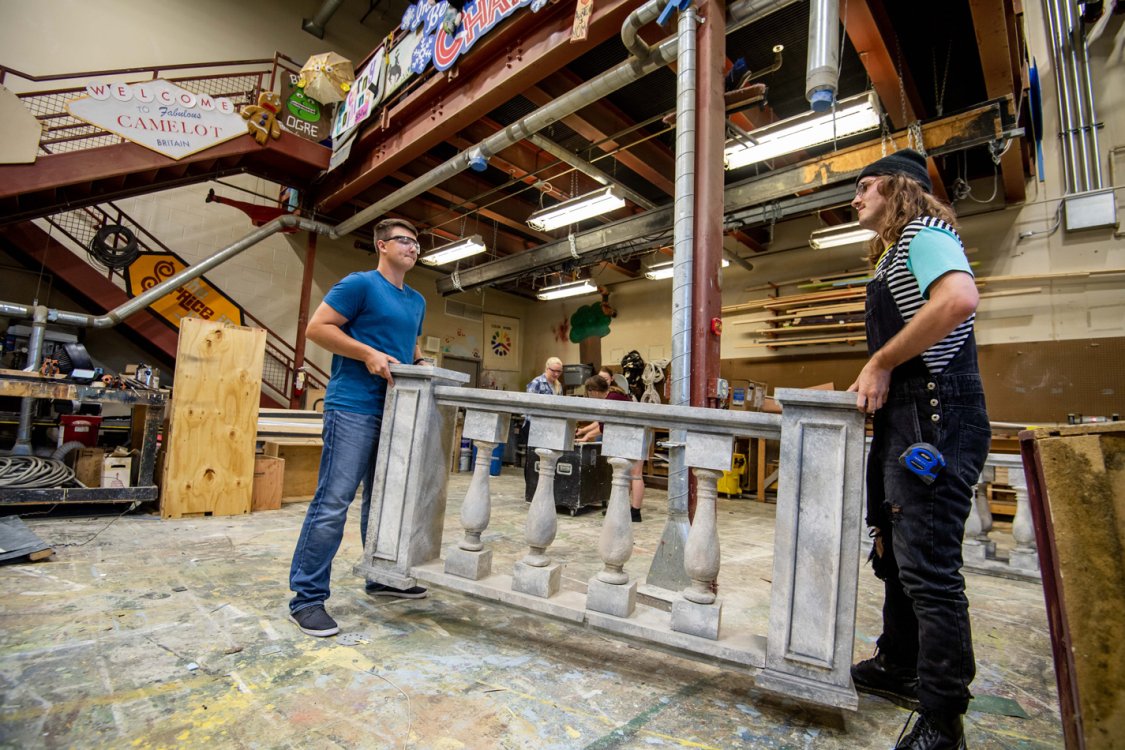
{"x":364,"y":95}
{"x":502,"y":336}
{"x":196,"y":298}
{"x":300,"y":114}
{"x":159,"y":115}
{"x":444,"y":41}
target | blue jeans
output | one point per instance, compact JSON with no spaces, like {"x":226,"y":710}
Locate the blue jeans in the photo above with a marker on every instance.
{"x":351,"y":442}
{"x":925,"y":610}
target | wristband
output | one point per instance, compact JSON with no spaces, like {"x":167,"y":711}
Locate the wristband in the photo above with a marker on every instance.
{"x":420,"y":360}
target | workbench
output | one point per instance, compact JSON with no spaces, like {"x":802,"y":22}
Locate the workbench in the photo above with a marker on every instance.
{"x":148,"y":415}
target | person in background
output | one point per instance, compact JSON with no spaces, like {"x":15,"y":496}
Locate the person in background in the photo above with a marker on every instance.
{"x":923,"y":386}
{"x":596,"y":387}
{"x":548,"y":384}
{"x":369,"y":321}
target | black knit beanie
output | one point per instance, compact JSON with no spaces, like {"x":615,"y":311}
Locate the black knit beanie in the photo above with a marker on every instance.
{"x":906,"y":162}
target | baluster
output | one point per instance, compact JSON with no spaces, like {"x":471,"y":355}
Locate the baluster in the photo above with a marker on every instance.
{"x":1025,"y":556}
{"x":973,"y":549}
{"x":611,"y":591}
{"x":469,"y":559}
{"x":699,"y":611}
{"x":984,"y":511}
{"x":535,"y":574}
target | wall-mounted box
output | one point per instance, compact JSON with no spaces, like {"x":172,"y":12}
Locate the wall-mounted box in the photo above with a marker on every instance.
{"x":1091,"y":210}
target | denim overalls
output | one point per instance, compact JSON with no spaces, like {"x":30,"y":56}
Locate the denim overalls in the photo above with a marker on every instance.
{"x":920,"y":526}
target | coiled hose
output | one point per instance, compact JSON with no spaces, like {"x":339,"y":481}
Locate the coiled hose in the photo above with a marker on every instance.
{"x":33,"y":472}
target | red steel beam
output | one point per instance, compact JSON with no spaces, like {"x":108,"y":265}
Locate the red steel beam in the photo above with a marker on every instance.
{"x":863,"y":19}
{"x":520,"y":51}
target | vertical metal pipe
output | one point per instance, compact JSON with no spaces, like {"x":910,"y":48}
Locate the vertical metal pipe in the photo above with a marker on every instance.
{"x":34,"y":358}
{"x":822,"y":69}
{"x":1091,"y":113}
{"x":1062,"y":95}
{"x":709,"y":140}
{"x":1072,"y":38}
{"x":667,"y":568}
{"x":303,"y":313}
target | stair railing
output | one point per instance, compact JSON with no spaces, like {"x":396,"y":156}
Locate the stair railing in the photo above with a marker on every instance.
{"x":80,"y":226}
{"x":238,"y":80}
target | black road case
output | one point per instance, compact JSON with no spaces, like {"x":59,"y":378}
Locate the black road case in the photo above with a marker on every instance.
{"x":582,"y":478}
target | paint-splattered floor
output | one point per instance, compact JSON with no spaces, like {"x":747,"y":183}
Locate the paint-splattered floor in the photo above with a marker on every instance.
{"x":174,"y":634}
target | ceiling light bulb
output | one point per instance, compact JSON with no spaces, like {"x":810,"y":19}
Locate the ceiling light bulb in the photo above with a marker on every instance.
{"x":855,"y":114}
{"x":576,"y":209}
{"x":841,"y":234}
{"x":570,"y":289}
{"x":462,"y":248}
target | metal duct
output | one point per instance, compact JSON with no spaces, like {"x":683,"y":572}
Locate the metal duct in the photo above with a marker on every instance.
{"x":822,"y":70}
{"x":315,"y":26}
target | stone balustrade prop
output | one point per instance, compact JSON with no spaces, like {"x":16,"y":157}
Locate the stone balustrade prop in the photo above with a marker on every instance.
{"x":807,"y":650}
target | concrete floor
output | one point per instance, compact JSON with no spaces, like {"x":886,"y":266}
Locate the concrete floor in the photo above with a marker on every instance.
{"x":158,"y":634}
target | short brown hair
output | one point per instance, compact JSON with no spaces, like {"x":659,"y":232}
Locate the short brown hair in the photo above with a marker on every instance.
{"x":596,"y":384}
{"x":385,"y":229}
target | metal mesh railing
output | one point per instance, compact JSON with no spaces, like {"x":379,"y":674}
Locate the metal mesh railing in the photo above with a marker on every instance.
{"x":63,"y":133}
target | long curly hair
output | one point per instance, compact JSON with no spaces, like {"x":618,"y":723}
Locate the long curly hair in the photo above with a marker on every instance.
{"x":905,"y":202}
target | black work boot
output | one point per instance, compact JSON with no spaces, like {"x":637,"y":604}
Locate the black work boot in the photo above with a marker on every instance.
{"x":879,"y":676}
{"x":934,"y":731}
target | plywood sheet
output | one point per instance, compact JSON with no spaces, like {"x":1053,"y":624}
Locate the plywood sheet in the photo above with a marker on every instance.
{"x":209,"y":467}
{"x":1083,"y":475}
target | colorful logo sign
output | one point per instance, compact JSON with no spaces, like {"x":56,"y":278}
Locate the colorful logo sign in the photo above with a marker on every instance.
{"x":301,"y":114}
{"x":159,"y":115}
{"x":196,"y":298}
{"x":501,"y":343}
{"x":443,"y":45}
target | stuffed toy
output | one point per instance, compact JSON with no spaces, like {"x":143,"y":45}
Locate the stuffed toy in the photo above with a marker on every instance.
{"x":261,"y":118}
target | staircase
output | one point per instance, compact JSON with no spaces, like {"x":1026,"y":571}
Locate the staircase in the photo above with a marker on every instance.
{"x":81,"y":169}
{"x":81,"y":165}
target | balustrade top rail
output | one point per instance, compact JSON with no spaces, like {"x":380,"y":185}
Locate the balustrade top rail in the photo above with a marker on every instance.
{"x":745,"y":423}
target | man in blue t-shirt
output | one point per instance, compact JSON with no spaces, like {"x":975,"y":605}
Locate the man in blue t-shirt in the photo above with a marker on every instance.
{"x":369,"y":321}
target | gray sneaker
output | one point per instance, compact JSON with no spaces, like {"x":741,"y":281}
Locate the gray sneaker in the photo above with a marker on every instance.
{"x":314,"y":621}
{"x":378,"y":589}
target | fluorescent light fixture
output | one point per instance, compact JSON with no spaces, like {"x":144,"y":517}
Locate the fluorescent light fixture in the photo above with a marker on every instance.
{"x":576,"y":209}
{"x":570,"y":289}
{"x":462,"y":248}
{"x":665,"y":270}
{"x":855,"y":114}
{"x":841,"y":234}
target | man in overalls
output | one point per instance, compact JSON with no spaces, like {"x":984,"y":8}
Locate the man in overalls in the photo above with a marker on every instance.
{"x":931,"y":437}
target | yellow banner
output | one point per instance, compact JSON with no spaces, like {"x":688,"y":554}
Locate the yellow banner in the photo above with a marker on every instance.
{"x":196,"y":298}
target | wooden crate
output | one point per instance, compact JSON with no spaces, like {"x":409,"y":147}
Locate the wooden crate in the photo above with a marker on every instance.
{"x":269,"y":474}
{"x":209,"y":467}
{"x":302,"y":465}
{"x":88,"y":466}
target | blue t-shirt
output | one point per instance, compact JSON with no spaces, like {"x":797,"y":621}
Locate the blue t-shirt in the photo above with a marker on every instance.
{"x":382,"y":316}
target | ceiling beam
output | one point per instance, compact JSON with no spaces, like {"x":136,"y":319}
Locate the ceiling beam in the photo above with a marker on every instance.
{"x":757,"y":200}
{"x":521,"y":50}
{"x":990,"y":23}
{"x":596,"y":123}
{"x":864,"y":20}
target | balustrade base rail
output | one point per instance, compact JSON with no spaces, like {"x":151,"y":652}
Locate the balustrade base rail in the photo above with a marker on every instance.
{"x":807,"y":651}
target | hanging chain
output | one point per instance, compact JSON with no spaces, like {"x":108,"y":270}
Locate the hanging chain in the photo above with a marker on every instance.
{"x":939,"y":91}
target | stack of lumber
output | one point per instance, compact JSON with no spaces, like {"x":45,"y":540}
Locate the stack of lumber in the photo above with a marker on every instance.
{"x":832,"y":315}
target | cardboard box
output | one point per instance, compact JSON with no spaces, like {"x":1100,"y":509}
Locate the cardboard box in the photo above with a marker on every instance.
{"x":269,"y":473}
{"x":116,"y":470}
{"x":88,"y":466}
